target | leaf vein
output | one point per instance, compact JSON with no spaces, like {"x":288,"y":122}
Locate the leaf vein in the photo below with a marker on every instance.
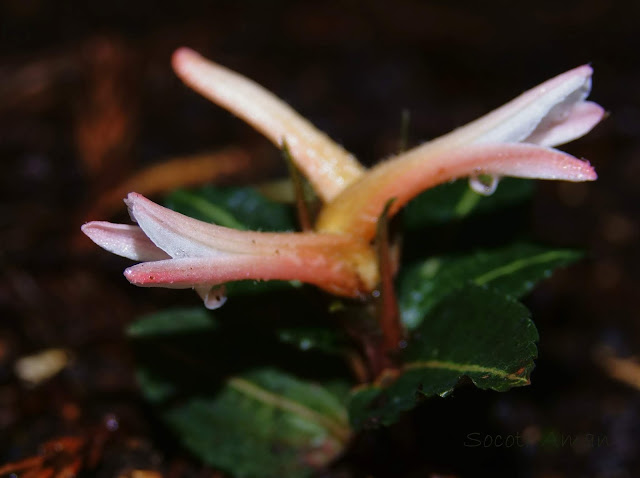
{"x":517,"y":265}
{"x":465,"y":368}
{"x":340,"y":430}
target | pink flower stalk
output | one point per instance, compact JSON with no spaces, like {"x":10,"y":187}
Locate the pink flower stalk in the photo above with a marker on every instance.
{"x":180,"y":252}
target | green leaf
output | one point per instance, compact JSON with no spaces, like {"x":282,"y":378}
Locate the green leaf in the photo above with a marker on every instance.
{"x":456,"y":200}
{"x":477,"y":333}
{"x":239,"y":208}
{"x":159,"y":341}
{"x":513,"y":270}
{"x":180,"y":320}
{"x":326,"y":339}
{"x":263,"y":424}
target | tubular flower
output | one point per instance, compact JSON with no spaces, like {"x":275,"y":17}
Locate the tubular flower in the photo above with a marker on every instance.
{"x":176,"y":251}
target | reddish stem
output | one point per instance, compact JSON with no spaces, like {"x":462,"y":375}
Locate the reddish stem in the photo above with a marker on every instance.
{"x":388,"y":314}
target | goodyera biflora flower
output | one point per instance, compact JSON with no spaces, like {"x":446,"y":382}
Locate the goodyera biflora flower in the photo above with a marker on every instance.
{"x":176,"y":251}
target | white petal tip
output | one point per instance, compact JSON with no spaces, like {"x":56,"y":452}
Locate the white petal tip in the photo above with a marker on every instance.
{"x":181,"y":57}
{"x":132,"y":197}
{"x":583,"y":70}
{"x":590,"y":173}
{"x":123,"y":240}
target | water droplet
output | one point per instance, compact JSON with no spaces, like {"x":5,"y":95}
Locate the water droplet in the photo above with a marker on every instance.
{"x":484,"y":184}
{"x":305,"y":344}
{"x":213,"y":297}
{"x":111,"y":422}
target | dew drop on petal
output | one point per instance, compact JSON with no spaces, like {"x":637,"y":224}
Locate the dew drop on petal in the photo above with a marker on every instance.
{"x":213,"y":297}
{"x":484,"y":184}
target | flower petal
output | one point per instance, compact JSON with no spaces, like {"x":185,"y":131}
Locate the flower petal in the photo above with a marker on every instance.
{"x":340,"y":263}
{"x":562,"y":125}
{"x":550,"y":114}
{"x":331,"y":273}
{"x":182,"y":236}
{"x":357,"y":209}
{"x":124,"y":240}
{"x":325,"y":163}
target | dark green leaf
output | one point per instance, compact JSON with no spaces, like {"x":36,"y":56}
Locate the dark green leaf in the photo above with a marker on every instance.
{"x":160,"y":339}
{"x":263,"y":424}
{"x":170,"y":322}
{"x":185,"y":351}
{"x":477,"y":333}
{"x":513,"y":270}
{"x":239,"y":208}
{"x":326,"y":339}
{"x":259,"y":423}
{"x":456,"y":200}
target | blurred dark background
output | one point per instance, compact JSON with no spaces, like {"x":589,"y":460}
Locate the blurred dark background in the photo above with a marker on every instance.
{"x":87,"y":97}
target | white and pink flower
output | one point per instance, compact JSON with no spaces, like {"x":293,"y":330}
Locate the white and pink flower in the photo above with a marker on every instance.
{"x":176,"y":251}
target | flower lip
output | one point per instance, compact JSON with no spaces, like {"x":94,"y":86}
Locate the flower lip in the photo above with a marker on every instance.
{"x":123,"y":240}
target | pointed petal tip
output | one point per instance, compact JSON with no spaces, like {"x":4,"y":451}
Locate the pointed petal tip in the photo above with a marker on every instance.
{"x":132,"y":196}
{"x":586,"y":70}
{"x":589,"y":172}
{"x":124,"y":240}
{"x":181,"y":57}
{"x":93,"y":228}
{"x":583,"y":71}
{"x":135,"y":277}
{"x":134,"y":199}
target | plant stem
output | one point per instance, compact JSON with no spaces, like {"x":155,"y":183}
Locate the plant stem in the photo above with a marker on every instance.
{"x":302,"y":207}
{"x":388,"y":315}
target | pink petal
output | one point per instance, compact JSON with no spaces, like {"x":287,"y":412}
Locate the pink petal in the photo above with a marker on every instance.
{"x":537,"y":115}
{"x":338,"y":276}
{"x":206,"y":254}
{"x":123,"y":240}
{"x":567,"y":125}
{"x":356,"y":211}
{"x":182,"y":236}
{"x":326,"y":164}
